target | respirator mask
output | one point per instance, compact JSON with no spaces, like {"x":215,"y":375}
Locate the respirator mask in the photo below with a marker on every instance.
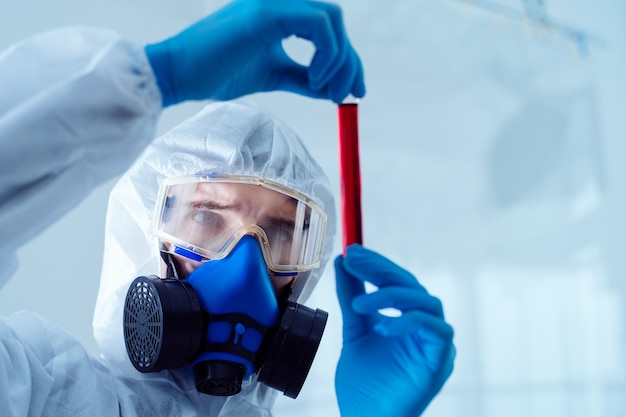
{"x":229,"y":319}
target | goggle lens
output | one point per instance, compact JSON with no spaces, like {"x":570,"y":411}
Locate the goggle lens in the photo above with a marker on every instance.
{"x":208,"y":216}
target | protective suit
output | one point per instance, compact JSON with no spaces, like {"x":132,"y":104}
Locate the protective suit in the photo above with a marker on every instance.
{"x":45,"y":111}
{"x":45,"y":371}
{"x":227,"y":138}
{"x":48,"y":371}
{"x":87,"y":118}
{"x":87,"y":100}
{"x":62,"y":379}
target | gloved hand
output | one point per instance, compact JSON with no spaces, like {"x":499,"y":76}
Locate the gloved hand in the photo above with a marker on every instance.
{"x":238,"y":51}
{"x":389,"y":366}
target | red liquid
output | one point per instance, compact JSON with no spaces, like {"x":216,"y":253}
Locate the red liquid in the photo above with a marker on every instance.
{"x":350,"y":175}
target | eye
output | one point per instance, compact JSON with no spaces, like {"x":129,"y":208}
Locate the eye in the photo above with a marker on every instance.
{"x":207,"y":219}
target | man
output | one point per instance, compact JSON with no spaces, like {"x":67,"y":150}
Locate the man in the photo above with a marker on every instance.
{"x":78,"y":105}
{"x":239,"y":188}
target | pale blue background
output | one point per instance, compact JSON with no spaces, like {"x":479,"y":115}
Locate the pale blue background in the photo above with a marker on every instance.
{"x":494,"y":168}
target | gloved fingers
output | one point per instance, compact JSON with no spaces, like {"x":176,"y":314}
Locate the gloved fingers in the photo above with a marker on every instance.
{"x":400,"y":298}
{"x":367,"y":265}
{"x":341,"y":85}
{"x":347,"y":67}
{"x":326,"y":64}
{"x":354,"y":324}
{"x":315,"y":25}
{"x":358,"y":85}
{"x":296,"y":80}
{"x":322,"y":24}
{"x":288,"y":75}
{"x":431,"y":330}
{"x":438,"y":349}
{"x":446,"y":364}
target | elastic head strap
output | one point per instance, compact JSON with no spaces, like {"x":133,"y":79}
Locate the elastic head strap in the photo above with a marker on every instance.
{"x":172,"y":272}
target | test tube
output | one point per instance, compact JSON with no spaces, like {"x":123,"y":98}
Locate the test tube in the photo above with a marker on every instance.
{"x":350,"y":173}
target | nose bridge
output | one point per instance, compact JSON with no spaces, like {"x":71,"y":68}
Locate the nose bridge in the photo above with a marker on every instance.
{"x":248,"y":221}
{"x":253,"y":231}
{"x":249,"y":243}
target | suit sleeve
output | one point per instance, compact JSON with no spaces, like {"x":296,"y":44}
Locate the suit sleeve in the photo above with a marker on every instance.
{"x":77,"y":107}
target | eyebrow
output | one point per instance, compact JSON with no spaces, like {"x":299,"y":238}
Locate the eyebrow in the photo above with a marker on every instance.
{"x":214,"y":205}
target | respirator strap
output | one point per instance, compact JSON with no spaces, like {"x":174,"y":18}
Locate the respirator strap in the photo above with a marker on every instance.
{"x":169,"y":261}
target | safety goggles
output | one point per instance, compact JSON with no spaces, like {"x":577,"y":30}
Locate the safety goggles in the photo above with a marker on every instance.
{"x":203,"y":218}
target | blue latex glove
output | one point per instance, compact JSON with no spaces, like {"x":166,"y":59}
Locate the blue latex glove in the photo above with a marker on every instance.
{"x":389,"y":366}
{"x":238,"y":51}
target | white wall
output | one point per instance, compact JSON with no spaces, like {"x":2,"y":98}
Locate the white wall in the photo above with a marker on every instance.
{"x":493,"y":168}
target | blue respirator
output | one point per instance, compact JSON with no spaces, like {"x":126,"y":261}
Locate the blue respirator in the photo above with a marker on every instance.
{"x":225,"y":322}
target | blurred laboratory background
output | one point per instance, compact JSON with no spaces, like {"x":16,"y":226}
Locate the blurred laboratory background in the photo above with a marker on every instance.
{"x":493,"y":158}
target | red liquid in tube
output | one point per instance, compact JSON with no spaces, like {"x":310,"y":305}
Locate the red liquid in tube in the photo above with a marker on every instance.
{"x":350,"y":175}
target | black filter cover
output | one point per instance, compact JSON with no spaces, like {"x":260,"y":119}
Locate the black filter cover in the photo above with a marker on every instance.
{"x":222,"y":378}
{"x":162,"y":324}
{"x":291,"y":354}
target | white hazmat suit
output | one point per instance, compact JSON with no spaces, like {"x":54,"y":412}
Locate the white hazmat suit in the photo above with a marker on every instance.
{"x":88,"y":71}
{"x":45,"y":371}
{"x":225,"y":138}
{"x":50,"y":160}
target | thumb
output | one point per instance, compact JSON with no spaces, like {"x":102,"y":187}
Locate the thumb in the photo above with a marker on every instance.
{"x":348,"y":287}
